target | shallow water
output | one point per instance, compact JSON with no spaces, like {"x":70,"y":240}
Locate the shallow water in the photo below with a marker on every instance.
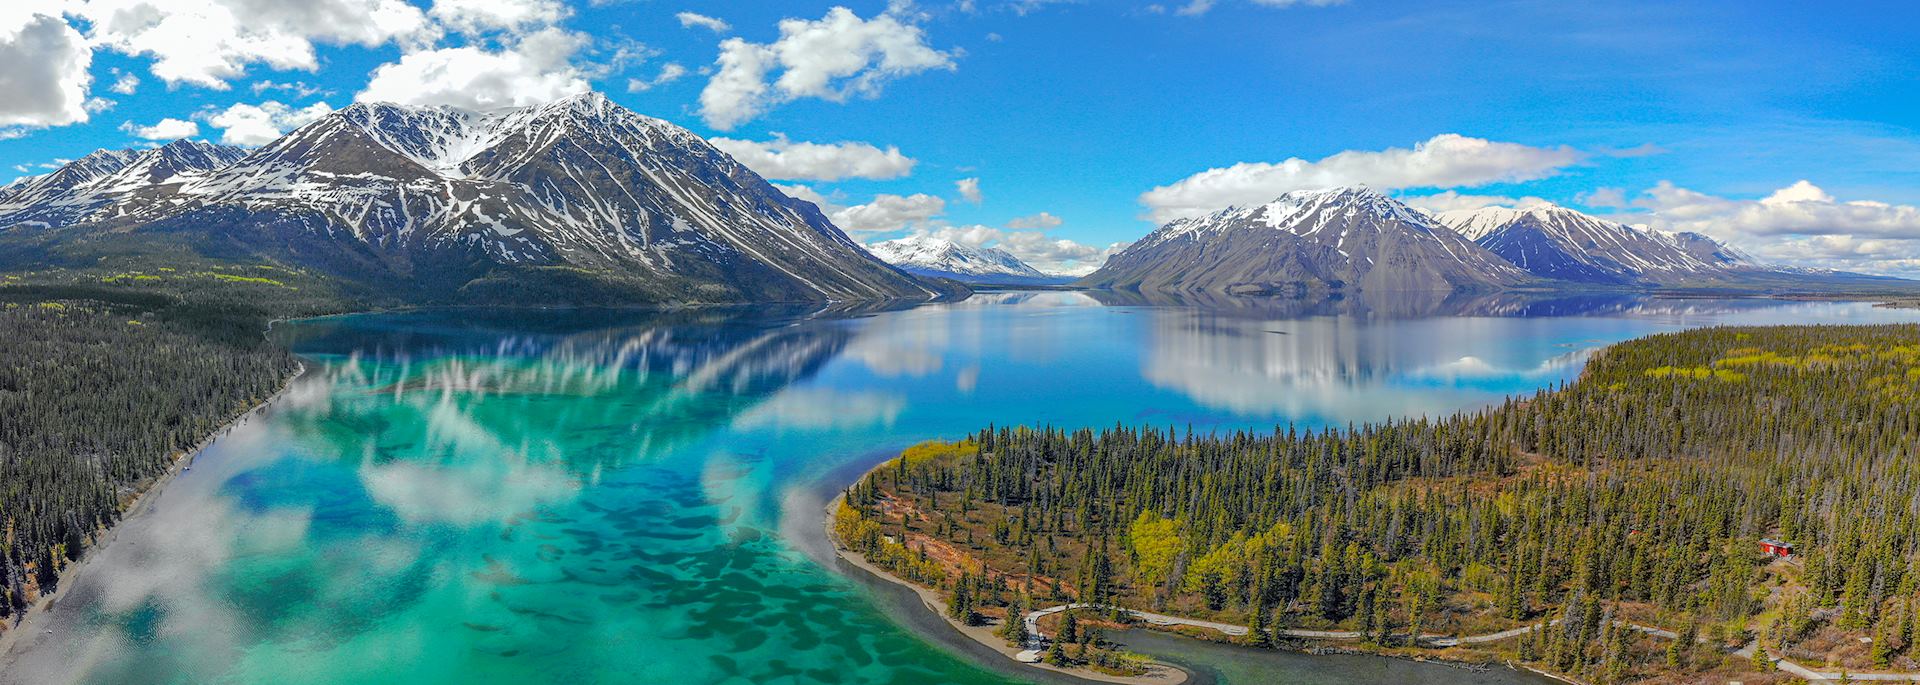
{"x":583,"y":497}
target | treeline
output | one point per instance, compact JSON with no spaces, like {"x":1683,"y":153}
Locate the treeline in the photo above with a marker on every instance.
{"x":1640,"y":491}
{"x":105,"y":378}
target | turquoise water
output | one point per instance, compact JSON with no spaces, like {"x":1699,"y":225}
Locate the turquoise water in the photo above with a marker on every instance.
{"x":586,"y":497}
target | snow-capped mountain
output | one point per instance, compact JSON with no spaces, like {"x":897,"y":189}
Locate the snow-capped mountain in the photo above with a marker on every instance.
{"x":1711,"y":251}
{"x":1555,"y":242}
{"x":1351,"y":237}
{"x":930,"y":256}
{"x":84,"y":189}
{"x":578,"y":194}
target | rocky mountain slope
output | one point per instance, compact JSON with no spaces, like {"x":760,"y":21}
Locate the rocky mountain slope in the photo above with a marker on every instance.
{"x":1342,"y":238}
{"x":1555,"y":242}
{"x":578,"y":200}
{"x":930,"y":256}
{"x":90,"y":188}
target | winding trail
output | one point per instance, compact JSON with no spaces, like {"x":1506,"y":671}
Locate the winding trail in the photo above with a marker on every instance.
{"x":1037,"y":641}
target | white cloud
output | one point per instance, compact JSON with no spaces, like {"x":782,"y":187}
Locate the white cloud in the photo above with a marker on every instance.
{"x":44,"y":80}
{"x":165,"y":129}
{"x":801,"y":192}
{"x":483,"y":15}
{"x":1041,"y":220}
{"x":1444,"y":161}
{"x":1800,"y":224}
{"x":669,"y":72}
{"x":245,"y":124}
{"x":1447,"y":201}
{"x":209,"y":42}
{"x":888,"y":213}
{"x":1798,"y":209}
{"x":691,"y":19}
{"x":536,"y":70}
{"x":1603,"y":197}
{"x":798,"y":160}
{"x":1198,"y":7}
{"x":834,"y":58}
{"x":125,"y":83}
{"x":299,"y":89}
{"x":969,"y":189}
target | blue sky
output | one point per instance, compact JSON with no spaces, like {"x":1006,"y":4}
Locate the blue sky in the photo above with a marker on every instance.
{"x":1697,"y":116}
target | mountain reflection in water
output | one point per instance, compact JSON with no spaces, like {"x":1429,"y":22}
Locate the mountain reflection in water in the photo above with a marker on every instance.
{"x":539,"y":496}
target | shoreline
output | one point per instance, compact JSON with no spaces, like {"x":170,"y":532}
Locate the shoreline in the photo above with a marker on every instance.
{"x":15,"y":634}
{"x":1158,"y":672}
{"x":931,"y":601}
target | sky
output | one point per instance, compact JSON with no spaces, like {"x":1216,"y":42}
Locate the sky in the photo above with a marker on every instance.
{"x":1063,"y":130}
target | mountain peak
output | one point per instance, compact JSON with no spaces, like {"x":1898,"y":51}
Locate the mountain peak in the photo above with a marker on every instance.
{"x":1356,"y":192}
{"x":930,"y":255}
{"x":438,"y":197}
{"x":1334,"y":238}
{"x":1557,"y":242}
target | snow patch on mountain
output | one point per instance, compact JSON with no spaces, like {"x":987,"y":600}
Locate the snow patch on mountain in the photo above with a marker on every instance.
{"x":1346,"y":237}
{"x":926,"y":254}
{"x":403,"y":194}
{"x":1556,"y":242}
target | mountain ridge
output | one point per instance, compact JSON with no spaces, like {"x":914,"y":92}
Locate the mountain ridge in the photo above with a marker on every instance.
{"x":1332,"y":239}
{"x":454,"y":205}
{"x":1555,"y":242}
{"x":927,"y":255}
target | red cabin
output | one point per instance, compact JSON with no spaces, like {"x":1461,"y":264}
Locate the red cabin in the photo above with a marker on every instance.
{"x":1776,"y":548}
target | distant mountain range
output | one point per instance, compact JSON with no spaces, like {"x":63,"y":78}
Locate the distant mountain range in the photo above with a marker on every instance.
{"x":927,"y":255}
{"x":1359,"y":239}
{"x":579,"y":200}
{"x":1558,"y":243}
{"x":1308,"y":240}
{"x":582,"y":201}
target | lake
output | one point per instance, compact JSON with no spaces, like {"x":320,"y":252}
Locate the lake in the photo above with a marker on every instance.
{"x":597,"y":496}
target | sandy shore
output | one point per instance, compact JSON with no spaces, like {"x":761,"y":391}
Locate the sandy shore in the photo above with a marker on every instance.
{"x":28,"y":622}
{"x":1157,"y":673}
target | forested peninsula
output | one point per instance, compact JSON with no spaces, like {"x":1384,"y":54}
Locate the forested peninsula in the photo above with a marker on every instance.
{"x":1725,"y":503}
{"x":109,"y":377}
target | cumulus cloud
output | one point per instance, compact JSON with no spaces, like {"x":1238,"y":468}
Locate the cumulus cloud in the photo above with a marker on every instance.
{"x":1603,"y":197}
{"x":537,"y":69}
{"x":1443,"y":161}
{"x":802,"y":192}
{"x":834,"y":58}
{"x":888,"y":213}
{"x":245,"y":124}
{"x":298,"y":89}
{"x":209,"y":42}
{"x":165,"y":129}
{"x":1447,"y":201}
{"x":669,"y":72}
{"x":969,"y":189}
{"x":781,"y":158}
{"x":45,"y":78}
{"x":483,"y":15}
{"x":1800,"y":224}
{"x":1798,"y":209}
{"x":124,"y":83}
{"x":693,"y":19}
{"x":1041,"y":220}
